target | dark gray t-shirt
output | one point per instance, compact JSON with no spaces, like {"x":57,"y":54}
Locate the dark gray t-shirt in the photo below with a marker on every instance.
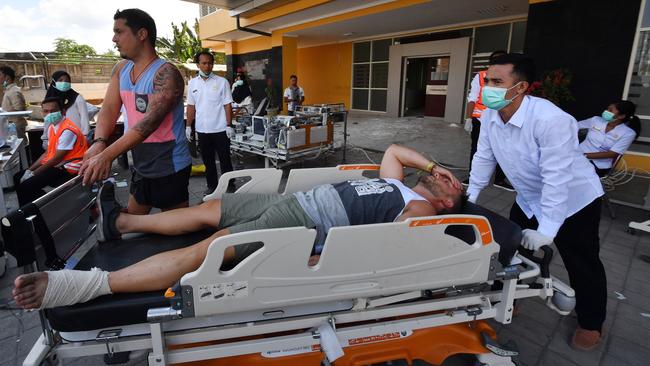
{"x":358,"y":202}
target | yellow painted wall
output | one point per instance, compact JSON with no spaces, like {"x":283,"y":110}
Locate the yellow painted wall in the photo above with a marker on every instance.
{"x":325,"y":72}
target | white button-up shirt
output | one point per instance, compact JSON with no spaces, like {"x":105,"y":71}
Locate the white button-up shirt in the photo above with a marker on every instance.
{"x":538,"y":152}
{"x":618,"y":139}
{"x":209,"y":97}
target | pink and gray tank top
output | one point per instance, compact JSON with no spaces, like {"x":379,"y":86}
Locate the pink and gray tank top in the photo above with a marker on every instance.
{"x":165,"y":151}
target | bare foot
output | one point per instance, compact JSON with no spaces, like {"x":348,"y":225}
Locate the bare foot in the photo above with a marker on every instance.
{"x":313,"y":260}
{"x":29,"y":290}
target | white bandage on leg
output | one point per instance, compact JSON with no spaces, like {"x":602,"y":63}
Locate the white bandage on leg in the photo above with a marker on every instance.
{"x":68,"y":287}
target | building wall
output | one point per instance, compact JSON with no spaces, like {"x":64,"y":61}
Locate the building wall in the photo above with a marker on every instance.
{"x":594,"y":42}
{"x":325,"y":72}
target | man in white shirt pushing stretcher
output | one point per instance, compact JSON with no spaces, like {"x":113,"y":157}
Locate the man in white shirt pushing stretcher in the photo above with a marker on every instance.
{"x":360,"y":202}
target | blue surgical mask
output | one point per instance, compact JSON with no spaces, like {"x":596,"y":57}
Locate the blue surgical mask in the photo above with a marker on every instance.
{"x":239,"y":82}
{"x":607,"y":115}
{"x":204,"y":75}
{"x":5,"y":84}
{"x":63,"y":86}
{"x":495,"y":98}
{"x":53,"y":118}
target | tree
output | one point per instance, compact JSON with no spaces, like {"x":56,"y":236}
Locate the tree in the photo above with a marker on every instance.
{"x":183,"y":45}
{"x":68,"y":47}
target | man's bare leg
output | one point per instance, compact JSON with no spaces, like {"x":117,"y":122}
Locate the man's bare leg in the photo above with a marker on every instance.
{"x":154,"y":273}
{"x":174,"y":222}
{"x":134,"y":208}
{"x":180,"y":205}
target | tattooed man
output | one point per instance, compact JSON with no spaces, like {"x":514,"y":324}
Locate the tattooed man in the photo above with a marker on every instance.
{"x":151,"y":92}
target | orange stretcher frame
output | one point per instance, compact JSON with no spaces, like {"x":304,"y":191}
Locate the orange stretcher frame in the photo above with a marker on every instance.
{"x":432,"y":345}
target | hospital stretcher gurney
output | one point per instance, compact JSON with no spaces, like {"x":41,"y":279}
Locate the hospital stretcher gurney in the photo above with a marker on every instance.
{"x":419,"y":289}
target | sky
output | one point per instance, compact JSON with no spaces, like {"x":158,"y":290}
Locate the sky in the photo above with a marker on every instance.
{"x":33,"y":25}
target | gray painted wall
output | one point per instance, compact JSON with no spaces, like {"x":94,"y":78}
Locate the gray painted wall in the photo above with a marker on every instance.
{"x":457,"y":49}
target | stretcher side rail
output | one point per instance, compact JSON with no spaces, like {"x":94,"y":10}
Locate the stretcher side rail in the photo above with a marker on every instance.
{"x":261,"y":181}
{"x":358,"y":261}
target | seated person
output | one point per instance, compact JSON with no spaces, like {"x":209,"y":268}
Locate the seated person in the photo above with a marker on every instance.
{"x":385,"y":199}
{"x":610,"y":135}
{"x":241,"y":95}
{"x":62,"y":159}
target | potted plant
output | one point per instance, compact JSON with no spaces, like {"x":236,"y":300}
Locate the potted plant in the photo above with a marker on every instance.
{"x":554,"y":86}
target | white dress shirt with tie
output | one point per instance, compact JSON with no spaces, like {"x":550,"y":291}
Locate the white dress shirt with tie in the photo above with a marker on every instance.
{"x":538,"y":152}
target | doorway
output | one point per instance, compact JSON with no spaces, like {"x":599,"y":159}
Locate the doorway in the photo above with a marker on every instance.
{"x":424,"y":86}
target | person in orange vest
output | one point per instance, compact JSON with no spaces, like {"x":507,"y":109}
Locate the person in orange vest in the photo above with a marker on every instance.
{"x":473,"y":112}
{"x":61,"y":162}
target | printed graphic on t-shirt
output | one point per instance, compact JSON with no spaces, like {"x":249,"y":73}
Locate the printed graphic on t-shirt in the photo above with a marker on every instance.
{"x":141,"y":102}
{"x":371,"y":186}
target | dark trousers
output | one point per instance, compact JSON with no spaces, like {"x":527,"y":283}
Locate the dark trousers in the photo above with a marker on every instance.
{"x":211,"y":143}
{"x":579,"y":244}
{"x":32,"y":188}
{"x":499,"y":176}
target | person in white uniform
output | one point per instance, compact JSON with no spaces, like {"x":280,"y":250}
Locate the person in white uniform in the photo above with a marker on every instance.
{"x":294,"y":95}
{"x":209,"y":107}
{"x":610,"y":134}
{"x":558,"y":191}
{"x":73,"y":103}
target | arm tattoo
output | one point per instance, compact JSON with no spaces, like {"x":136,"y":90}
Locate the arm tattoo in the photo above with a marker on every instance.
{"x":168,"y":88}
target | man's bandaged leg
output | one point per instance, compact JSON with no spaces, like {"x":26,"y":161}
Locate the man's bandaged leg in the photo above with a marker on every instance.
{"x":68,"y":287}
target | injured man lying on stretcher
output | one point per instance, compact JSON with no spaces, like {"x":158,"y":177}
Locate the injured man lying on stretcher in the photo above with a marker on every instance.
{"x":360,"y":202}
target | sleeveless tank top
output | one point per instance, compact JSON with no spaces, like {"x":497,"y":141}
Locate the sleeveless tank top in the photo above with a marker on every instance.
{"x":165,"y":151}
{"x":371,"y":201}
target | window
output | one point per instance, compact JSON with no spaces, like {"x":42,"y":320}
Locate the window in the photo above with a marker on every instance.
{"x":638,"y":90}
{"x":370,"y":75}
{"x":491,"y":38}
{"x":518,"y":37}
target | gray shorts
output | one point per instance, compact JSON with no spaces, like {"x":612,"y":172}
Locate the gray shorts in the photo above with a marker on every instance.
{"x":247,"y":211}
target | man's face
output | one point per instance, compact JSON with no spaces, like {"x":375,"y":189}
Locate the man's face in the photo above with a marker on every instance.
{"x":49,"y":107}
{"x":440,"y":186}
{"x":293,"y":81}
{"x":501,"y":76}
{"x":205,"y":63}
{"x":127,"y":43}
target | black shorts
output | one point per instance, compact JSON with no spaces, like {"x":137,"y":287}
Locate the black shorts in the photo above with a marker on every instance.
{"x":163,"y":192}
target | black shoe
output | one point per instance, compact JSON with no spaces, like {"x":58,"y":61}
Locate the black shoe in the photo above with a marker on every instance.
{"x":109,"y":210}
{"x":504,"y":185}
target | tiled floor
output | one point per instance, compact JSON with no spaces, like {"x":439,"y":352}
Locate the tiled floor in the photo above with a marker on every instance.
{"x":540,"y":333}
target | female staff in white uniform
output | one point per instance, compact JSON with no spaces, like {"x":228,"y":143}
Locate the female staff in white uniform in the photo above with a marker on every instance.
{"x":610,"y":134}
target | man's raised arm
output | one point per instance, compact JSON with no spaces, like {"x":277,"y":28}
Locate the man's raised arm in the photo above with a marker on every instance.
{"x":397,"y":157}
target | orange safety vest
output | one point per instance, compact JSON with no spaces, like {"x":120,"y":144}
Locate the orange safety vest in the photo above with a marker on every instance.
{"x":478,"y":105}
{"x":72,"y":160}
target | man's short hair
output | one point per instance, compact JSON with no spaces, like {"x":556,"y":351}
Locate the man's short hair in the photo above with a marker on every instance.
{"x":137,"y":19}
{"x":522,"y":66}
{"x":496,"y":54}
{"x":293,"y":77}
{"x":459,"y":205}
{"x":8,"y":71}
{"x":204,"y":53}
{"x":56,"y":100}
